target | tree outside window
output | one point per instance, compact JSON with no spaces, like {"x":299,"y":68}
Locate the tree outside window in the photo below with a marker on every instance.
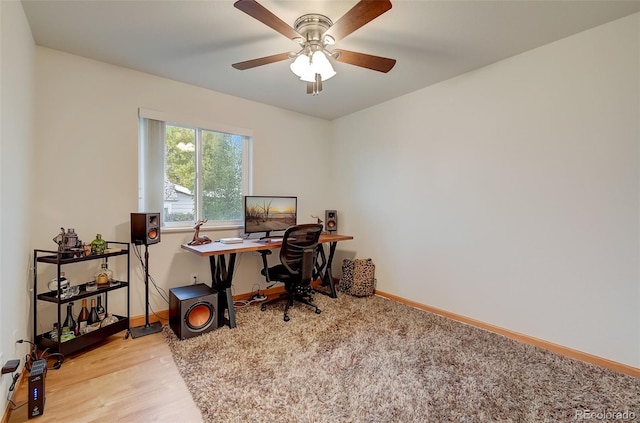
{"x":204,"y":172}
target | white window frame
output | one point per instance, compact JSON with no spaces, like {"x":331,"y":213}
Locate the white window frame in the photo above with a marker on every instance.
{"x":151,"y":196}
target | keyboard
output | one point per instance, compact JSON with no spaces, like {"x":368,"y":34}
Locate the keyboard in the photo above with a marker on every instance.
{"x":270,"y":240}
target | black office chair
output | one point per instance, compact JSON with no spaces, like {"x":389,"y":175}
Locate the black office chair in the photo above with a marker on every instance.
{"x":296,"y":268}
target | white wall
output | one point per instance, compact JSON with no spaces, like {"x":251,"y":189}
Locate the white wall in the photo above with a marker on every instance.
{"x":86,"y":164}
{"x":523,"y":176}
{"x":16,"y":149}
{"x":510,"y":194}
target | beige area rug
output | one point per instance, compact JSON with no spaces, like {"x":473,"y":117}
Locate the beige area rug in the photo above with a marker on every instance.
{"x":375,"y":360}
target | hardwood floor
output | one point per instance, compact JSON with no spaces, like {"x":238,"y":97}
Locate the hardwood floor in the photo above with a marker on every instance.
{"x":120,"y":380}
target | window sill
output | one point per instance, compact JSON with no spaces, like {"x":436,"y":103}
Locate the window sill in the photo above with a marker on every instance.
{"x":203,"y":229}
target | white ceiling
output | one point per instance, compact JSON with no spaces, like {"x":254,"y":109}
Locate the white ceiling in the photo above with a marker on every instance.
{"x":197,"y":41}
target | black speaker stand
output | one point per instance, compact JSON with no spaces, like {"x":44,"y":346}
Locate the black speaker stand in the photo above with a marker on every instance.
{"x":147,"y":328}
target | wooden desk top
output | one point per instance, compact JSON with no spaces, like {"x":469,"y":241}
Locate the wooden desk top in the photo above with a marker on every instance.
{"x":216,"y":248}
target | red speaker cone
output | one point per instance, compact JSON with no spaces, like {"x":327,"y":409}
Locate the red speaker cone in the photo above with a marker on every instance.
{"x":199,"y":316}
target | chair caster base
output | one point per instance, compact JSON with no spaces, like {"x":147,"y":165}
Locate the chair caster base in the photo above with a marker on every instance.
{"x":286,"y":318}
{"x":318,"y":311}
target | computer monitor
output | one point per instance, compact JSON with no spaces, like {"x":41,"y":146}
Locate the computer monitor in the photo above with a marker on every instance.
{"x":269,"y":213}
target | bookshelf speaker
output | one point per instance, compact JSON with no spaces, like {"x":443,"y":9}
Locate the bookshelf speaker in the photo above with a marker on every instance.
{"x":145,"y":228}
{"x":331,"y":220}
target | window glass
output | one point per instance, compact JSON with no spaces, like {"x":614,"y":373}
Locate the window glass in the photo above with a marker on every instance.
{"x":222,"y":176}
{"x":205,"y":174}
{"x":180,"y":174}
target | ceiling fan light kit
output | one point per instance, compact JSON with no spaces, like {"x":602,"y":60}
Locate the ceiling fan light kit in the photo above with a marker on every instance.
{"x":314,"y":32}
{"x":307,"y":66}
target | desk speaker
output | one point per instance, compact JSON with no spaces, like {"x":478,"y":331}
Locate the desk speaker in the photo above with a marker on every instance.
{"x":145,"y":228}
{"x":193,"y":310}
{"x":331,"y":220}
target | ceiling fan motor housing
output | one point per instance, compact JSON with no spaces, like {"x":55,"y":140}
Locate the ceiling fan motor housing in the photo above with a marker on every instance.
{"x":311,"y":26}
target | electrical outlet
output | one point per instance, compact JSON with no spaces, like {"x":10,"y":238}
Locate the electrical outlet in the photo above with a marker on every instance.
{"x":194,"y":278}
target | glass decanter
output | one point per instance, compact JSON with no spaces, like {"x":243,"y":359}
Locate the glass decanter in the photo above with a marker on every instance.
{"x":104,"y":276}
{"x":98,"y":245}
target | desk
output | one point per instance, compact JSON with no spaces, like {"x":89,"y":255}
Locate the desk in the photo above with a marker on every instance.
{"x":222,"y":272}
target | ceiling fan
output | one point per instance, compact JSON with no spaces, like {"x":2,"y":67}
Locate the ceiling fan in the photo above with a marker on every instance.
{"x":315,"y":33}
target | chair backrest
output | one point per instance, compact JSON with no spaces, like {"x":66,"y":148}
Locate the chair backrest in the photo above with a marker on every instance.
{"x":298,"y":251}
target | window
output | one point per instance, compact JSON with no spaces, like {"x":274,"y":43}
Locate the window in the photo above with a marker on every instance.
{"x":191,"y":172}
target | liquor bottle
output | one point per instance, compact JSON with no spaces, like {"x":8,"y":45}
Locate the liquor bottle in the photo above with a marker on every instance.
{"x":98,"y":245}
{"x":103,"y":276}
{"x":100,"y":309}
{"x":93,"y":314}
{"x":83,"y":317}
{"x":69,"y":321}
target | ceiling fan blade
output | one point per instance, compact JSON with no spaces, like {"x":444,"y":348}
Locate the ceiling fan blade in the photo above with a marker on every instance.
{"x":377,"y":63}
{"x":261,"y":61}
{"x":259,"y":12}
{"x":362,"y":13}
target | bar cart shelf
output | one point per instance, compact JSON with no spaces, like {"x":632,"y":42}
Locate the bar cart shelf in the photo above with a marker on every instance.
{"x":60,"y":259}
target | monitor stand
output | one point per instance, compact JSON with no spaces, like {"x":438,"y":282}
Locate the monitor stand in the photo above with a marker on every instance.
{"x":267,"y":236}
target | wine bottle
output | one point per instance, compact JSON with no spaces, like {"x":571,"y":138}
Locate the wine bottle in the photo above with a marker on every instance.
{"x":83,"y":317}
{"x":100,"y":309}
{"x":93,"y":314}
{"x":69,"y":321}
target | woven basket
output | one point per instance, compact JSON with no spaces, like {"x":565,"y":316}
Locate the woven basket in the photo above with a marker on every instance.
{"x":358,"y":277}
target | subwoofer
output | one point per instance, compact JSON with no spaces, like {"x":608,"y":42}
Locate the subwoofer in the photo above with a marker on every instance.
{"x":331,"y":220}
{"x":193,"y":310}
{"x":145,"y":228}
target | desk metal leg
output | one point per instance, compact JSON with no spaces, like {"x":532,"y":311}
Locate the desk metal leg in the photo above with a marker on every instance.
{"x":221,"y":279}
{"x":323,"y":268}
